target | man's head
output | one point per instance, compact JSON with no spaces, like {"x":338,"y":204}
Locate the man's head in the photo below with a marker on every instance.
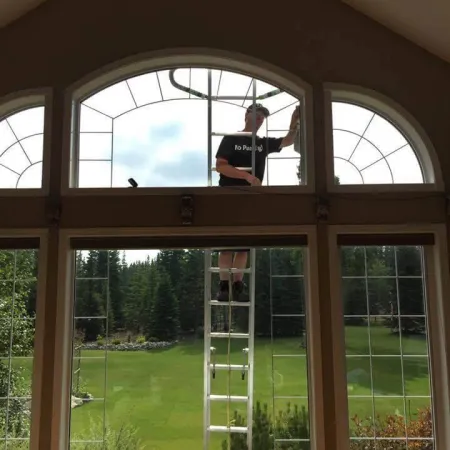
{"x":261,"y":114}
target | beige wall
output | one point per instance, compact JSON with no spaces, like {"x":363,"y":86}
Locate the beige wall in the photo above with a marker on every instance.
{"x":317,"y":40}
{"x":320,"y":41}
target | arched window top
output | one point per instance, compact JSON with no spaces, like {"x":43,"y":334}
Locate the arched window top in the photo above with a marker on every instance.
{"x":22,"y":142}
{"x":376,"y":142}
{"x":154,"y":127}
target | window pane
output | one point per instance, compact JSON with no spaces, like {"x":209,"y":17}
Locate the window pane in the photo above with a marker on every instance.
{"x":155,"y":129}
{"x":368,"y":149}
{"x":21,"y":149}
{"x":18,"y":282}
{"x":138,"y":350}
{"x":388,"y":376}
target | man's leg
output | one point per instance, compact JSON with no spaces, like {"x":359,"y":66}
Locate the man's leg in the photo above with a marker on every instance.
{"x":240,"y":262}
{"x":225,"y":262}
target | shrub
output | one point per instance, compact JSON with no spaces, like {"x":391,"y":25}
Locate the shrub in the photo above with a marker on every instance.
{"x":289,"y":424}
{"x":124,"y":438}
{"x":100,"y":340}
{"x":140,"y":340}
{"x":394,"y":426}
{"x":116,"y":341}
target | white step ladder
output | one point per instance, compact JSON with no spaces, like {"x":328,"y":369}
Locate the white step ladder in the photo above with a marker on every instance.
{"x":213,"y":369}
{"x":210,"y":367}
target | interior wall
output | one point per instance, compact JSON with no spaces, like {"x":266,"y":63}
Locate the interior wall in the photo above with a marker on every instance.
{"x":321,"y":41}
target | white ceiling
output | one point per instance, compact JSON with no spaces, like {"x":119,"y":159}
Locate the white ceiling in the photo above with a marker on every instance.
{"x":425,"y":22}
{"x":11,"y":10}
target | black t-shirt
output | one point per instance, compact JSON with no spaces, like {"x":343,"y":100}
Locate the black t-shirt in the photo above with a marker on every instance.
{"x":237,"y":150}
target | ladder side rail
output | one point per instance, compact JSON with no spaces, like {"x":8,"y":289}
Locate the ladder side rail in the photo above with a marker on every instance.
{"x":254,"y":129}
{"x":271,"y":332}
{"x":209,"y":128}
{"x":251,"y":349}
{"x":207,"y":350}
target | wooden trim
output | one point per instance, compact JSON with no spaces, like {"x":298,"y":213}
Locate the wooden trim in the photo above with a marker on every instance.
{"x":385,"y":239}
{"x":315,"y":355}
{"x":19,"y":243}
{"x":437,"y":293}
{"x":37,"y":379}
{"x":170,"y":241}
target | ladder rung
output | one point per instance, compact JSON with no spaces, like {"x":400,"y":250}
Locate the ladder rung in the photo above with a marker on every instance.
{"x":292,"y":397}
{"x":229,"y":366}
{"x":287,"y":276}
{"x":218,"y":270}
{"x":232,"y":133}
{"x":217,"y":303}
{"x":239,"y":168}
{"x":231,"y":335}
{"x":224,"y":429}
{"x":232,"y":398}
{"x":288,"y":315}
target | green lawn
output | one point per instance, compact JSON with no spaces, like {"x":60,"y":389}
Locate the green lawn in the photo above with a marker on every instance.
{"x":161,"y":392}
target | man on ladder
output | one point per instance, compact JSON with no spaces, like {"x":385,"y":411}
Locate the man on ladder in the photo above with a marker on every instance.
{"x":236,"y":151}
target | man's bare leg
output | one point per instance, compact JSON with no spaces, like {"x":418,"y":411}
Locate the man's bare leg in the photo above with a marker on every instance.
{"x":226,"y":262}
{"x":240,"y":262}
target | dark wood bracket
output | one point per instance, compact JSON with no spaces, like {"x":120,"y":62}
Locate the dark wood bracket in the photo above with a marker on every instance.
{"x":187,"y":209}
{"x":322,"y":209}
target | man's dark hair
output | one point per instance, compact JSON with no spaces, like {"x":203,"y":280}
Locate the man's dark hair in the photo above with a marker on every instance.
{"x":259,"y":107}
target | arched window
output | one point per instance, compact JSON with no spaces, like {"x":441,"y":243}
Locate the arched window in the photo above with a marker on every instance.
{"x":376,"y":143}
{"x":21,"y":148}
{"x":155,"y":128}
{"x":370,"y":150}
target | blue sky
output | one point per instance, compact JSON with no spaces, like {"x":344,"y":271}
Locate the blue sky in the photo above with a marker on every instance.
{"x":164,"y":144}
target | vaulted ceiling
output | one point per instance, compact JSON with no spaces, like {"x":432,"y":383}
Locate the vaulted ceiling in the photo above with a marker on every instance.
{"x":425,"y":22}
{"x":11,"y":10}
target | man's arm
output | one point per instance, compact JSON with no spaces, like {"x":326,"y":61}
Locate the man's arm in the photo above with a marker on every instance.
{"x":222,"y":166}
{"x":289,"y":138}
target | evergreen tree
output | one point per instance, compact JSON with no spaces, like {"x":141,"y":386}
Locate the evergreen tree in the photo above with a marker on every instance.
{"x":165,"y":321}
{"x":191,"y":291}
{"x":90,"y":298}
{"x":410,"y":291}
{"x":115,"y":290}
{"x":137,"y":297}
{"x":171,"y":262}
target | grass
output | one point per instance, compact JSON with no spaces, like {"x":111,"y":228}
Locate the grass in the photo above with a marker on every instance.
{"x":161,"y":392}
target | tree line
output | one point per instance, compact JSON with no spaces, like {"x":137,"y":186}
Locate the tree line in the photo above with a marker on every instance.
{"x":163,"y":298}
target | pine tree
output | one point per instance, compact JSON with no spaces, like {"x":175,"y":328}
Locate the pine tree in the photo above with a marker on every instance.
{"x":115,"y":289}
{"x":136,"y":300}
{"x":90,"y":299}
{"x":165,"y":321}
{"x":191,"y":291}
{"x":410,"y":291}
